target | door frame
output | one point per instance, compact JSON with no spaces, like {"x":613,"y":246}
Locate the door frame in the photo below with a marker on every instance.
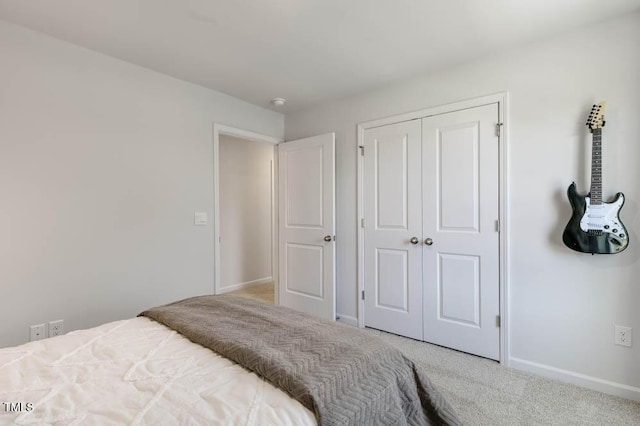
{"x":501,"y":99}
{"x":221,"y":129}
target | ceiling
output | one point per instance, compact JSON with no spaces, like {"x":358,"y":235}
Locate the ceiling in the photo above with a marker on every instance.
{"x":307,"y":51}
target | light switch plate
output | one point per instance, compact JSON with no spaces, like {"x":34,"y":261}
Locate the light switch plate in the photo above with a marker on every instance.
{"x":200,"y":218}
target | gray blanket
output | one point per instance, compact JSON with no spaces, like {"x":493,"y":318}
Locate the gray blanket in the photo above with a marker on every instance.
{"x":343,"y":375}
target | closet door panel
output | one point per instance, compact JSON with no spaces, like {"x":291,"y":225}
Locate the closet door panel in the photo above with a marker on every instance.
{"x":392,"y":211}
{"x":460,"y":210}
{"x":459,"y":181}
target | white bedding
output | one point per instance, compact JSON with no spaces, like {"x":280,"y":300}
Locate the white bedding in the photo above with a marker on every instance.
{"x":135,"y":371}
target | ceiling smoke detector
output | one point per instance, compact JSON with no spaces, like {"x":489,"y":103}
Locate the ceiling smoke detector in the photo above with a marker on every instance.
{"x":278,"y":101}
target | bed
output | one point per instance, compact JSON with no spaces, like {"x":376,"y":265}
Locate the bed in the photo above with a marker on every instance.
{"x":216,"y":360}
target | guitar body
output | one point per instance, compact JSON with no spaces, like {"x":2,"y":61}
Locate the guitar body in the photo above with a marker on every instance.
{"x":595,"y":229}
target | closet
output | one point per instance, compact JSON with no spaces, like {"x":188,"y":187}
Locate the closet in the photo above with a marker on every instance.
{"x":431,"y":238}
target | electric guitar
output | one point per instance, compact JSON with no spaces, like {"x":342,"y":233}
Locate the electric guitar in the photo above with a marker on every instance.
{"x":594,"y":226}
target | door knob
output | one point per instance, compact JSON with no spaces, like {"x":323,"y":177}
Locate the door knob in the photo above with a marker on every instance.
{"x":414,"y":240}
{"x":327,"y":238}
{"x":428,"y":241}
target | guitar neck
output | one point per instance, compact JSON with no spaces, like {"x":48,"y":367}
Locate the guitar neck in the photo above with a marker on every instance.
{"x":596,"y":167}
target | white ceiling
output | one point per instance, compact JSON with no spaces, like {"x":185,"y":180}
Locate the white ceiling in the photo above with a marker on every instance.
{"x":307,"y":51}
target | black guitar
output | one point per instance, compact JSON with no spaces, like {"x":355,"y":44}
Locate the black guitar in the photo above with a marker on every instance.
{"x":594,"y":226}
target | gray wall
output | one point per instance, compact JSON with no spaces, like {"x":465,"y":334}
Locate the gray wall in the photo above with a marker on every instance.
{"x":102,"y":165}
{"x":563,"y":305}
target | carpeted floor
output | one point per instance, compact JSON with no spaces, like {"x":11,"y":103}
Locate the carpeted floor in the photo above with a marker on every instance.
{"x":262,"y":292}
{"x":485,"y":393}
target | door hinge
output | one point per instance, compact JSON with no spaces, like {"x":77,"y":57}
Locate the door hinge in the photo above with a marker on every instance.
{"x":497,"y":225}
{"x":497,"y":320}
{"x":498,"y":128}
{"x":362,"y":294}
{"x":361,"y":149}
{"x":362,"y":223}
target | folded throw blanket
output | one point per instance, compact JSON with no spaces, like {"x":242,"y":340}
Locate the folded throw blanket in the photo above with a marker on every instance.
{"x":340,"y":373}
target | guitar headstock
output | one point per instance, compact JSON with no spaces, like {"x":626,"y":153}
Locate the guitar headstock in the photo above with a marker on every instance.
{"x":596,"y":117}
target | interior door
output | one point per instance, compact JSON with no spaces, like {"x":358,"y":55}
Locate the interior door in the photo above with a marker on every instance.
{"x":306,"y":190}
{"x":392,"y":211}
{"x":461,"y":240}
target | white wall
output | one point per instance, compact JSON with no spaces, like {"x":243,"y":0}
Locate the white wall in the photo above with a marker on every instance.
{"x":563,"y":305}
{"x":102,"y":165}
{"x":245,"y":211}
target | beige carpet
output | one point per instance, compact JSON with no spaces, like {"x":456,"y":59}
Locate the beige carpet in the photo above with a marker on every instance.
{"x":485,"y":393}
{"x":261,"y":292}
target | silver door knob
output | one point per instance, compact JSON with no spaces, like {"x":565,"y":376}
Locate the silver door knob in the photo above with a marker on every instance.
{"x":414,"y":240}
{"x":327,"y":238}
{"x":428,"y":241}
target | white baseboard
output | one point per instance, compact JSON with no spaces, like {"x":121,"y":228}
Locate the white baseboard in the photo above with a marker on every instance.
{"x":346,"y":319}
{"x":235,"y":287}
{"x":601,"y":385}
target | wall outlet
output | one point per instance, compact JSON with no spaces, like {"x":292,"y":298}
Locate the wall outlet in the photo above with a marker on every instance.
{"x":623,"y":336}
{"x":37,"y":332}
{"x":56,"y":328}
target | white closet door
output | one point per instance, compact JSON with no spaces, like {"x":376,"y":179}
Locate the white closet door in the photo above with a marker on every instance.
{"x":306,"y":247}
{"x":460,"y":211}
{"x":392,"y":211}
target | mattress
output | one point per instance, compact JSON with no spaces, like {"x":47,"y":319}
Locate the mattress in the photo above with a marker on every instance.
{"x":135,"y":371}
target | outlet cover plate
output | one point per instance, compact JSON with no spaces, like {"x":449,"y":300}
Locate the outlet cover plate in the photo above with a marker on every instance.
{"x":56,"y":328}
{"x":623,"y":335}
{"x":37,"y":332}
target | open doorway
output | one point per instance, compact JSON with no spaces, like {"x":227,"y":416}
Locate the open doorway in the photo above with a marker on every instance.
{"x":246,"y":194}
{"x":246,"y":257}
{"x":302,"y":222}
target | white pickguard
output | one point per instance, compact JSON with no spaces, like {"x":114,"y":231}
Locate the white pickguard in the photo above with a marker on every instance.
{"x":603,"y":217}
